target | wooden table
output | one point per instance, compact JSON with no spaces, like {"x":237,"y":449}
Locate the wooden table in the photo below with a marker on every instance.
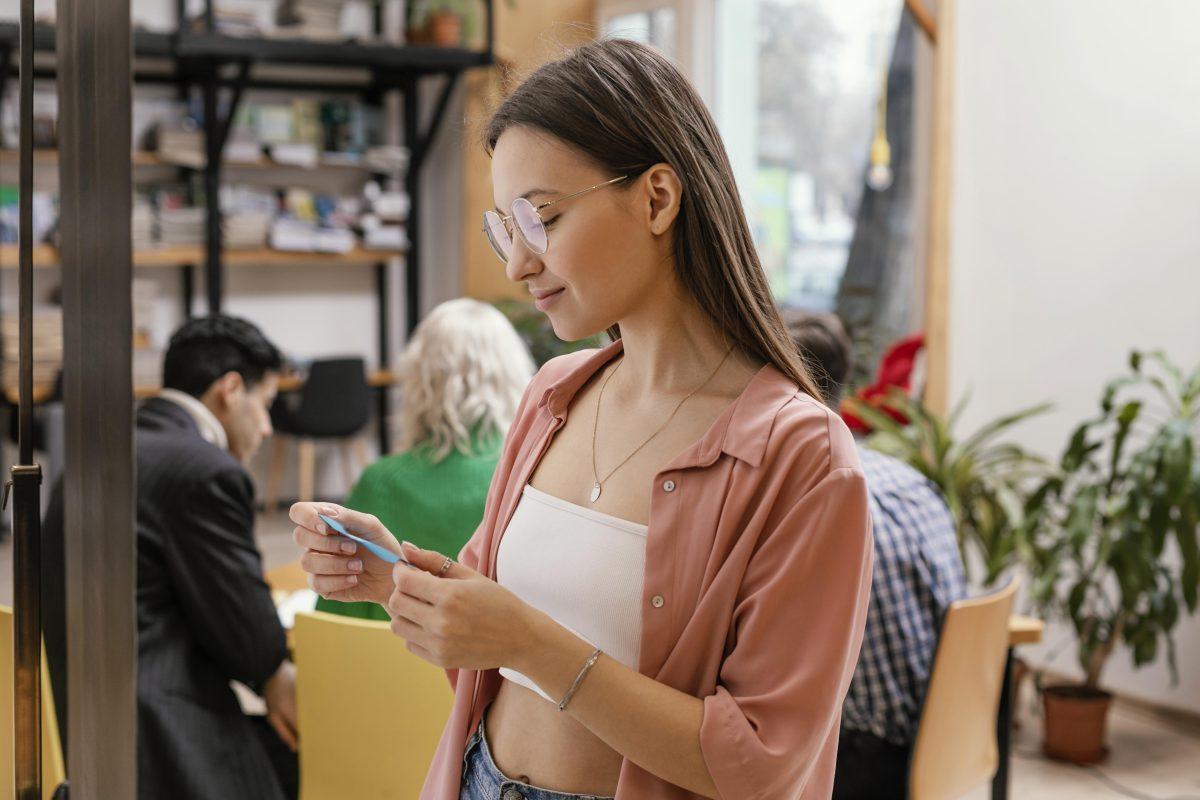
{"x":287,"y":578}
{"x":1021,"y":630}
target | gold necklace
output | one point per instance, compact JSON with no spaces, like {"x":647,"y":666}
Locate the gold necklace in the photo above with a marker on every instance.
{"x":598,"y":485}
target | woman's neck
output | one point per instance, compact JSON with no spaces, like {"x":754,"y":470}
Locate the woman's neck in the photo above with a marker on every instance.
{"x":671,"y":346}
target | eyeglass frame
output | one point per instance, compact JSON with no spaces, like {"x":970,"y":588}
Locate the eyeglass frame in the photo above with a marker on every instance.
{"x":537,"y":210}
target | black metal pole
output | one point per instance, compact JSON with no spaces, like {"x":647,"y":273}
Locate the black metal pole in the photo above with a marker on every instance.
{"x":412,"y":184}
{"x":1004,"y":721}
{"x":382,"y":393}
{"x":27,"y":476}
{"x":212,"y":194}
{"x":189,"y":289}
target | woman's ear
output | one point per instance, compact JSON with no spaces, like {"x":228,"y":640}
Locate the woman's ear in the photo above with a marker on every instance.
{"x":664,"y":193}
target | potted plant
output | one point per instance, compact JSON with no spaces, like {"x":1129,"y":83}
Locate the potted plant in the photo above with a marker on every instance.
{"x":1096,"y":533}
{"x":982,"y":480}
{"x":446,"y":23}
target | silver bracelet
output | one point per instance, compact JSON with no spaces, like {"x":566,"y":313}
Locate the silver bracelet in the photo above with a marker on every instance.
{"x":591,"y":662}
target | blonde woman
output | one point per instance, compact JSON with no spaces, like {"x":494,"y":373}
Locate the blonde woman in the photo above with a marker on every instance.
{"x":461,"y":379}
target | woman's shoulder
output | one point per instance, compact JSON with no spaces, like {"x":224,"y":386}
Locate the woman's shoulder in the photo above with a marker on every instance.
{"x":810,"y":440}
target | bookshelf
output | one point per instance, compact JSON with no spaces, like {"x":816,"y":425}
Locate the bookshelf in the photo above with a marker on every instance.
{"x":46,"y":256}
{"x":425,"y":76}
{"x":143,"y":158}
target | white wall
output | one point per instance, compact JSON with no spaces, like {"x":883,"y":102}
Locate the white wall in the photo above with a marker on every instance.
{"x":1075,"y":221}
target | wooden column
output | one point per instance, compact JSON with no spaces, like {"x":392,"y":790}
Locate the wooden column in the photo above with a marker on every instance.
{"x":94,"y":100}
{"x":937,"y":277}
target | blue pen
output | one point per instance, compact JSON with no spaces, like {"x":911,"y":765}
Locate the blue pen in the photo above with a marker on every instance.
{"x":381,"y":552}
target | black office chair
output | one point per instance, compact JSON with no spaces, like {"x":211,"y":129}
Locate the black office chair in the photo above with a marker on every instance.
{"x":334,"y":403}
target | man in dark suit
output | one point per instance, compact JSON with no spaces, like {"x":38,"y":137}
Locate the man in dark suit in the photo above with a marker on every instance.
{"x":205,"y":615}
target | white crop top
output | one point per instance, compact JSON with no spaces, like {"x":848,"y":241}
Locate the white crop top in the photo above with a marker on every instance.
{"x":582,"y":568}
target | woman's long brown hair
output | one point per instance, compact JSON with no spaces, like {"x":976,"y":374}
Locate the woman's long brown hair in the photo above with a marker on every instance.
{"x":628,"y":107}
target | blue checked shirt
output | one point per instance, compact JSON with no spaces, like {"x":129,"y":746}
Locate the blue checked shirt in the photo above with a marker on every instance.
{"x":918,"y":573}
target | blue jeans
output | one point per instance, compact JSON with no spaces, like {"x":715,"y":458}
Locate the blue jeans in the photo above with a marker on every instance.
{"x":483,"y":780}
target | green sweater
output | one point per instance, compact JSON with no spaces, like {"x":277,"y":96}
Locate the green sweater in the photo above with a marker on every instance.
{"x":436,"y":506}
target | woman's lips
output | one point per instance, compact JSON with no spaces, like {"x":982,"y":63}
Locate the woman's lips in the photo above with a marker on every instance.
{"x":545,"y":301}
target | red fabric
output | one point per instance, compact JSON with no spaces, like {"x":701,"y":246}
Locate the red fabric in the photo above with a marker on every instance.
{"x":895,"y":372}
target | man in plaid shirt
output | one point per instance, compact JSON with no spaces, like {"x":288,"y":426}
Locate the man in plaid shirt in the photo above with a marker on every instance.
{"x":918,"y":573}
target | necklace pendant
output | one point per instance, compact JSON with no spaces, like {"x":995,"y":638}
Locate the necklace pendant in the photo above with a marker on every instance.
{"x":595,"y":492}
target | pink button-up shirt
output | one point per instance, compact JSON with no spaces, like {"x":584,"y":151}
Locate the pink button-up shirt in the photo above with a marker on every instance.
{"x":758,"y":571}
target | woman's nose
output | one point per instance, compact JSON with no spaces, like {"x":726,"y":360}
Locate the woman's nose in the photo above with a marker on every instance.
{"x":523,"y":263}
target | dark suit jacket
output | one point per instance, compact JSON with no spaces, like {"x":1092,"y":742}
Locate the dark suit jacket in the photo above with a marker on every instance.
{"x":205,"y":615}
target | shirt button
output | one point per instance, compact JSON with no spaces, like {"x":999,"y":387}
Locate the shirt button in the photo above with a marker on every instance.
{"x":668,"y":486}
{"x":657,"y":601}
{"x":513,"y":794}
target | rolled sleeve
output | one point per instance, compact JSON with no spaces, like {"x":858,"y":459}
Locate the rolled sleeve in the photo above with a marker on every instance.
{"x":798,"y":627}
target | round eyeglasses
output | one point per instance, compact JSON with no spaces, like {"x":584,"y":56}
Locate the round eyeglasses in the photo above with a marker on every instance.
{"x":528,"y":221}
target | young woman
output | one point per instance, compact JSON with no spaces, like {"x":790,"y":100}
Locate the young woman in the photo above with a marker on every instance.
{"x":461,"y":376}
{"x":667,"y":593}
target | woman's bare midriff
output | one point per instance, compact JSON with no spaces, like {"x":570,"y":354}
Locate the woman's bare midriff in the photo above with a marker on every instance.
{"x":535,"y":743}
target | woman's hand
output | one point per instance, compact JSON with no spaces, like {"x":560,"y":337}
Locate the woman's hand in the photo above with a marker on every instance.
{"x":339,"y":569}
{"x":461,"y":620}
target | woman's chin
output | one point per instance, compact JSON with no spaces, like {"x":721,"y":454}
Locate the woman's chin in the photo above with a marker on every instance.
{"x":570,"y":330}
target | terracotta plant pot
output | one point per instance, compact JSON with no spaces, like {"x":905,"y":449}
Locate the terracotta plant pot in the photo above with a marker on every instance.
{"x":445,"y":29}
{"x":1076,"y":723}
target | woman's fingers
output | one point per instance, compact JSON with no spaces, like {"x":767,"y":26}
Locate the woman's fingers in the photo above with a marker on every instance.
{"x":329,"y":585}
{"x":308,"y":540}
{"x":365,"y":526}
{"x":305,"y":515}
{"x":410,"y":608}
{"x":321,"y":564}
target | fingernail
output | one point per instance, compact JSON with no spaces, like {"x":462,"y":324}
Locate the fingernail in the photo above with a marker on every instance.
{"x":351,"y":579}
{"x":330,"y":512}
{"x":407,"y":543}
{"x":349,"y":548}
{"x":355,"y":566}
{"x":320,"y":527}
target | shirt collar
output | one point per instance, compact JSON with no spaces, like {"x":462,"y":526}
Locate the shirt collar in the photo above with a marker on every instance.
{"x":211,"y":429}
{"x":742,"y":430}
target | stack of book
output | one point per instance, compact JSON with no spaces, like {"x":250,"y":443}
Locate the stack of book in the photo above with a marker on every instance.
{"x":47,"y":346}
{"x":181,"y":227}
{"x":182,"y":144}
{"x":246,"y":215}
{"x":310,"y":19}
{"x":180,"y":223}
{"x":144,"y":234}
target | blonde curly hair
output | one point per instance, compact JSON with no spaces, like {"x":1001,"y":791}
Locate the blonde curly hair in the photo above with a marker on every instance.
{"x":461,"y":378}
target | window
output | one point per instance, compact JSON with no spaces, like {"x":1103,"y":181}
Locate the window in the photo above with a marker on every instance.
{"x":796,"y":88}
{"x":653,"y":26}
{"x":679,"y":28}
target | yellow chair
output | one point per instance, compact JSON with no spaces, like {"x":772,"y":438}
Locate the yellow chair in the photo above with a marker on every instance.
{"x":370,"y":712}
{"x":53,"y":770}
{"x":955,"y":749}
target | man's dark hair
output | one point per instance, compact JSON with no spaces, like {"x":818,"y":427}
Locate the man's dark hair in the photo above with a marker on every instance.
{"x":826,"y":348}
{"x":205,"y":348}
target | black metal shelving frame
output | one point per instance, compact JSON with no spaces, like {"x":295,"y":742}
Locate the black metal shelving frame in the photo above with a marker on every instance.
{"x":213,"y":61}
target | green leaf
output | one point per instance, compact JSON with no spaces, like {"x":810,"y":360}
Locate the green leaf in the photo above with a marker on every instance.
{"x":1189,"y":549}
{"x":998,"y":426}
{"x":1125,"y":420}
{"x":1079,"y":448}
